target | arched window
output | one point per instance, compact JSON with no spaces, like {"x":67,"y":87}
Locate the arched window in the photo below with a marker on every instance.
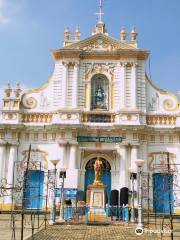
{"x":99,"y":92}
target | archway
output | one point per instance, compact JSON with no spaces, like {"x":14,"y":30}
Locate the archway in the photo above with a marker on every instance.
{"x":106,"y":176}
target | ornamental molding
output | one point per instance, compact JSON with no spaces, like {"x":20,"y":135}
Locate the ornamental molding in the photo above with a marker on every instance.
{"x":9,"y":116}
{"x":129,"y":117}
{"x":170,"y":104}
{"x":157,"y":162}
{"x":37,"y":117}
{"x":99,"y":68}
{"x":29,"y":102}
{"x":161,"y":120}
{"x":68,"y":116}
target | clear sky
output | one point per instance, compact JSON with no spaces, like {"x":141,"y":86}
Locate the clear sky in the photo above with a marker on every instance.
{"x":29,"y":29}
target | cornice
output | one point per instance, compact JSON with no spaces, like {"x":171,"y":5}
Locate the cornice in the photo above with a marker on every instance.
{"x":115,"y":55}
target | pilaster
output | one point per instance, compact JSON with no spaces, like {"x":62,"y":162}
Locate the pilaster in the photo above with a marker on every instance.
{"x":2,"y":151}
{"x":123,"y":172}
{"x":87,"y":95}
{"x":75,"y":86}
{"x":123,"y":85}
{"x":64,"y":84}
{"x":133,"y":86}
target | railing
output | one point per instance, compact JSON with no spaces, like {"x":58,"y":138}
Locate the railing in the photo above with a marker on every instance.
{"x":37,"y":118}
{"x":98,"y":117}
{"x":161,"y":120}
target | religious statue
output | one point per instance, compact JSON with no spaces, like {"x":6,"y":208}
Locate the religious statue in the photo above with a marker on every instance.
{"x":99,"y":96}
{"x":98,"y":167}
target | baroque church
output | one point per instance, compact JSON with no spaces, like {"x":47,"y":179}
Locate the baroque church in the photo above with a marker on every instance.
{"x":99,"y":101}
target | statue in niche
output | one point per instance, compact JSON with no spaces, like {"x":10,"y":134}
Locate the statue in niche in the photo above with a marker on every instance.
{"x":99,"y":97}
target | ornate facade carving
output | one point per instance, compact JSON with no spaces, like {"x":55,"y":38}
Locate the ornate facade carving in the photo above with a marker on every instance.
{"x":97,"y":68}
{"x":170,"y":104}
{"x":100,"y":45}
{"x":29,"y":102}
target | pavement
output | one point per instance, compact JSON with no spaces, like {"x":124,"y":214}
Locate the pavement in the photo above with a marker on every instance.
{"x":91,"y":232}
{"x":71,"y":231}
{"x":10,"y":226}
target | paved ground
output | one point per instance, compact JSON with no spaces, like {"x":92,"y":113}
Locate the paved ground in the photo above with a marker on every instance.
{"x":86,"y":232}
{"x":114,"y":231}
{"x":10,"y":231}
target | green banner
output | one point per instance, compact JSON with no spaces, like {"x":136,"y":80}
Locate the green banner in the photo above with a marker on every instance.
{"x":100,"y":139}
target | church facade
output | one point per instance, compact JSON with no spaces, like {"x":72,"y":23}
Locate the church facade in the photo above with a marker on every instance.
{"x":99,"y":101}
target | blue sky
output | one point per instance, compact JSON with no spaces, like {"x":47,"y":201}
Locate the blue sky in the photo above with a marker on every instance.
{"x":29,"y":29}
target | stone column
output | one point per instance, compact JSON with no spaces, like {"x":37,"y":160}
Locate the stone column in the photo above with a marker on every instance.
{"x":134,"y":157}
{"x":2,"y":150}
{"x":63,"y":155}
{"x":87,"y":95}
{"x":123,"y":85}
{"x":133,"y":86}
{"x":75,"y":86}
{"x":123,"y":172}
{"x":10,"y":173}
{"x":72,"y":157}
{"x":64,"y":84}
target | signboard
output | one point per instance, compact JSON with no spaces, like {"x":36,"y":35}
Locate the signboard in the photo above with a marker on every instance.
{"x":100,"y":139}
{"x":68,"y":192}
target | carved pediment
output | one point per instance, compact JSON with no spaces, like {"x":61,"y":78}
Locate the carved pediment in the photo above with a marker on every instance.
{"x":100,"y":42}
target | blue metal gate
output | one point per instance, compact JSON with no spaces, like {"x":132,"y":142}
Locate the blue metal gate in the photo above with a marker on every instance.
{"x":163,"y":197}
{"x":33,"y":193}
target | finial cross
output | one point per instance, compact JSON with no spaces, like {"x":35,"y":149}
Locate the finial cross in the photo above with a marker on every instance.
{"x":100,"y":13}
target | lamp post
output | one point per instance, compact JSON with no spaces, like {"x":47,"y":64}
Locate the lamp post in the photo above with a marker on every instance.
{"x":132,"y":177}
{"x":53,"y":208}
{"x":61,"y":212}
{"x":139,"y":163}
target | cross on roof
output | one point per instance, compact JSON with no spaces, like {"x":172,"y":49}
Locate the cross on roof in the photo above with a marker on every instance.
{"x":100,"y":13}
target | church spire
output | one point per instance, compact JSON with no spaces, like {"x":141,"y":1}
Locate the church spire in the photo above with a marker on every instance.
{"x":100,"y":26}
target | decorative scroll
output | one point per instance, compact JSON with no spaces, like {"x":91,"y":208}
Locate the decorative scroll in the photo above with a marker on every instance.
{"x":169,"y":105}
{"x":29,"y":103}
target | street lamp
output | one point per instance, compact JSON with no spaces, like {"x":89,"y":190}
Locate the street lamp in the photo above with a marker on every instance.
{"x":61,"y":212}
{"x":53,"y":209}
{"x":132,"y":177}
{"x":139,"y":163}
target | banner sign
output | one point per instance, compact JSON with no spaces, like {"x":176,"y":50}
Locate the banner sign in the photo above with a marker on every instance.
{"x":100,"y":139}
{"x":68,"y":192}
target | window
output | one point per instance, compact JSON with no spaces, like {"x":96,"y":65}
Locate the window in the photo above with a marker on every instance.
{"x":27,"y":136}
{"x":161,"y":138}
{"x":152,"y":138}
{"x":99,"y":92}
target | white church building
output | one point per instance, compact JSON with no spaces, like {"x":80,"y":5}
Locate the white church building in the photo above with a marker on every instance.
{"x":99,"y":101}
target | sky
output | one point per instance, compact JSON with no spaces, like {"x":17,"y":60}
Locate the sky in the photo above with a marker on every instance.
{"x":30,"y":29}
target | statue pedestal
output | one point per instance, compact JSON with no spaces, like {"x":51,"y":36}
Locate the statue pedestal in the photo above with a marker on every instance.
{"x":96,"y":201}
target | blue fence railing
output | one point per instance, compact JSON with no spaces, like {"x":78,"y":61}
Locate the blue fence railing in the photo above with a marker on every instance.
{"x":85,"y":213}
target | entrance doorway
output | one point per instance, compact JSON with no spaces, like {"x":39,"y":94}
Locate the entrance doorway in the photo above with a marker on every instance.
{"x":33,"y":195}
{"x":106,"y":176}
{"x":163,"y":197}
